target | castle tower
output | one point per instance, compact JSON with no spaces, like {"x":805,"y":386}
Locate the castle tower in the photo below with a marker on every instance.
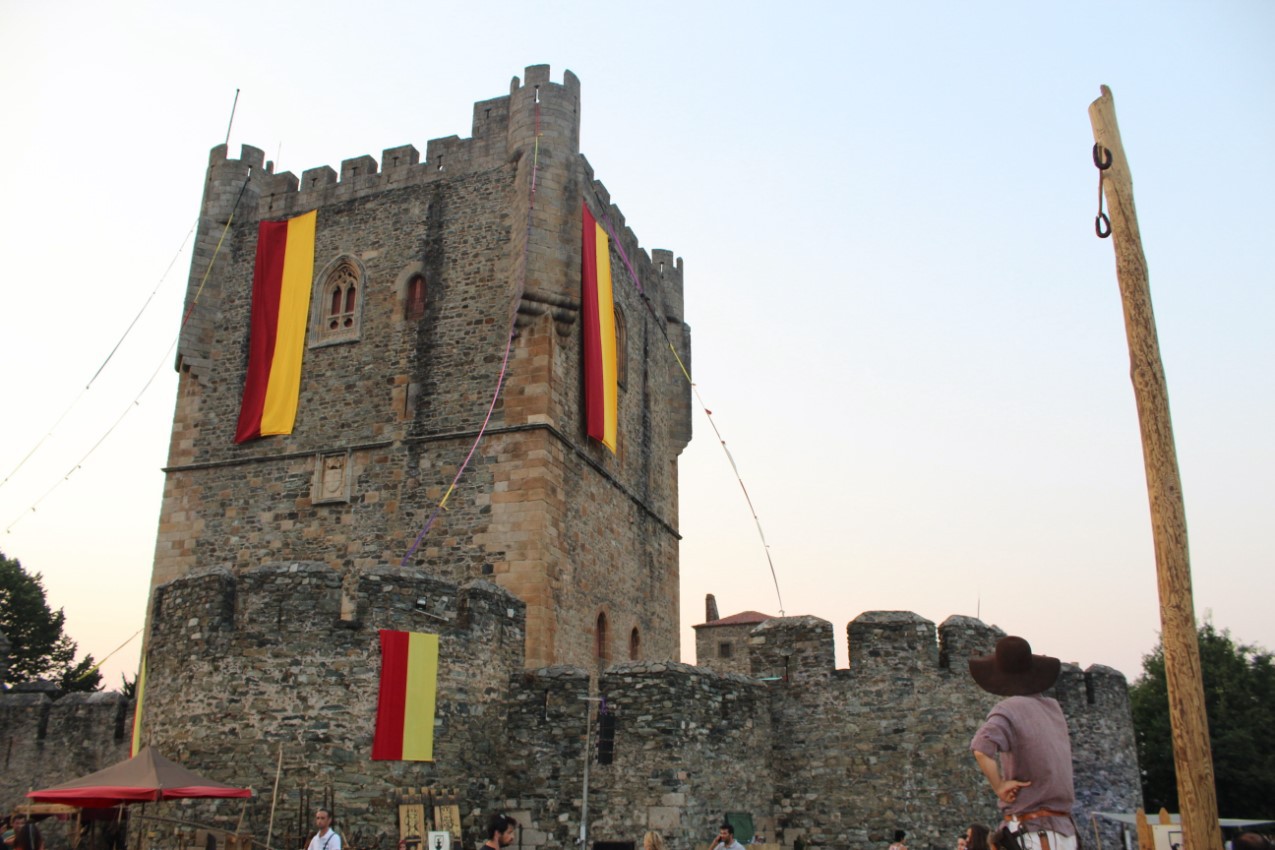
{"x":421,"y":264}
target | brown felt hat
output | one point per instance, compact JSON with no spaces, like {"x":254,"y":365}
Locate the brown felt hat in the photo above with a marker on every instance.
{"x":1013,"y":671}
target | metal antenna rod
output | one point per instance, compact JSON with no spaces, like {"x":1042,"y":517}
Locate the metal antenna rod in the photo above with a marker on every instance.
{"x":232,"y":116}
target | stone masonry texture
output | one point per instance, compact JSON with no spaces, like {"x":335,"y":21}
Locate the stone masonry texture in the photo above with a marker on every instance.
{"x":266,"y":661}
{"x":551,"y":577}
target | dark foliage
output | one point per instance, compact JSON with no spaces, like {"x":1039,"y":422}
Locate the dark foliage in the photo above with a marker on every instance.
{"x":38,"y":646}
{"x":1239,"y":698}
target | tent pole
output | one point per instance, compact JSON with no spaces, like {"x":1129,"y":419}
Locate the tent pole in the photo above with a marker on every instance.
{"x":274,"y":797}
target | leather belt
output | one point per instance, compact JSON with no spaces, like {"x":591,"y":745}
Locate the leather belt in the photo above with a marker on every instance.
{"x":1038,"y":813}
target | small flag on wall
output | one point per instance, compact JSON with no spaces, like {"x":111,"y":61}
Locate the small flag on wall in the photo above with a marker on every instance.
{"x":600,"y":386}
{"x":280,"y":308}
{"x":405,"y":707}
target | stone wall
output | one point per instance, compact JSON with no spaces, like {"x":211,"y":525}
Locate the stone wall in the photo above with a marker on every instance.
{"x":886,"y":741}
{"x":389,"y":411}
{"x":282,"y":658}
{"x":839,"y":758}
{"x":723,"y":648}
{"x":47,"y":741}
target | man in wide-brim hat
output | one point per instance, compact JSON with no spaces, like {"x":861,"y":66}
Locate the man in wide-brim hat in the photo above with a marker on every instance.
{"x":1028,"y":732}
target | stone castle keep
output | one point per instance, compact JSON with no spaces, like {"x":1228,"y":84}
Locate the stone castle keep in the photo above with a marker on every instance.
{"x":551,"y":576}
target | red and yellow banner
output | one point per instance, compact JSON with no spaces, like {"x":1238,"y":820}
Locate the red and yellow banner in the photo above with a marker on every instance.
{"x":405,"y":707}
{"x":281,"y":286}
{"x":600,"y":386}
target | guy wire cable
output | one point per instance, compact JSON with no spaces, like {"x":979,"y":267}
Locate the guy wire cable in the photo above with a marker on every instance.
{"x":88,"y":386}
{"x":80,"y":463}
{"x":94,"y":668}
{"x":504,"y":363}
{"x":637,"y":284}
{"x":138,"y":397}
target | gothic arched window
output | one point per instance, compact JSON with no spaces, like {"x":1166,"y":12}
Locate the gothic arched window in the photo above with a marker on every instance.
{"x":338,"y":301}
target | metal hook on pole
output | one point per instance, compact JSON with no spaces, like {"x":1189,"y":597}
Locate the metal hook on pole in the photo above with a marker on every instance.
{"x":1101,"y":161}
{"x":1102,"y":225}
{"x":1101,"y":157}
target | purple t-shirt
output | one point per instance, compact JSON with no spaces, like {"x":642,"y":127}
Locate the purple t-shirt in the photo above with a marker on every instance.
{"x":1030,"y":735}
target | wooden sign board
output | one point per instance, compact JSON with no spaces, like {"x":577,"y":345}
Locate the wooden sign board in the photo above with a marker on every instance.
{"x":447,"y":819}
{"x":411,"y":824}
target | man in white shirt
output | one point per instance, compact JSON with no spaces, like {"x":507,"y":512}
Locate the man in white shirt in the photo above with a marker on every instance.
{"x":325,"y":838}
{"x":725,"y":839}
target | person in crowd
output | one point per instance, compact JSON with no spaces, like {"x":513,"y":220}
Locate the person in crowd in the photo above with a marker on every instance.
{"x":1023,"y":747}
{"x":26,"y":835}
{"x":500,"y":832}
{"x":1251,"y":841}
{"x":326,"y":838}
{"x":976,"y":837}
{"x":725,"y":839}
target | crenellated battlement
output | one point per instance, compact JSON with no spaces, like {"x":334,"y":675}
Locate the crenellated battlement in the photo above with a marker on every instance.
{"x":659,"y":268}
{"x":884,"y":645}
{"x":504,"y":130}
{"x":809,"y":751}
{"x":47,"y":740}
{"x":537,"y":121}
{"x":268,"y":602}
{"x":892,"y":640}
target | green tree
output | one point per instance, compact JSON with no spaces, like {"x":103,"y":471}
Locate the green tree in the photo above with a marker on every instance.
{"x":1239,"y":699}
{"x":39,"y":648}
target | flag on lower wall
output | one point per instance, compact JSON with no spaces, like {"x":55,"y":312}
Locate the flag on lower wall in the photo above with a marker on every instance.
{"x":281,"y":285}
{"x":600,"y":384}
{"x":405,"y":707}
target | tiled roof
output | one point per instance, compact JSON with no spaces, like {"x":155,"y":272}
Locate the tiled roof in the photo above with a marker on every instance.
{"x":742,"y":619}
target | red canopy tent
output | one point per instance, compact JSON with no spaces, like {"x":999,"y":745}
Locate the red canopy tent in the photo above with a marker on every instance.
{"x":145,"y":777}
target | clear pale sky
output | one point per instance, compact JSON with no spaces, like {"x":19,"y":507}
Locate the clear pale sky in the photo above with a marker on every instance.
{"x":904,"y":325}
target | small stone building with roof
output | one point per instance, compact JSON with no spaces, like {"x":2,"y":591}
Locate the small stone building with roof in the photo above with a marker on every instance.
{"x":721,"y":643}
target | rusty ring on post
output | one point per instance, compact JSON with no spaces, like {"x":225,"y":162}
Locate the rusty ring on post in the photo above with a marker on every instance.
{"x":1099,"y":160}
{"x":1099,"y":221}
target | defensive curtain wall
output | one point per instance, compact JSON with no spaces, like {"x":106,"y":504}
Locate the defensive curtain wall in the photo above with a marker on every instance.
{"x":265,"y":661}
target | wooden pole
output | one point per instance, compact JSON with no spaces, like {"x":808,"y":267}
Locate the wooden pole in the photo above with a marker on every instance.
{"x":274,"y":797}
{"x":1192,"y":755}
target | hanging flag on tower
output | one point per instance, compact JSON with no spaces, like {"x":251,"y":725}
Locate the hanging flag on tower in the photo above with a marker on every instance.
{"x":601,"y":389}
{"x":281,"y":285}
